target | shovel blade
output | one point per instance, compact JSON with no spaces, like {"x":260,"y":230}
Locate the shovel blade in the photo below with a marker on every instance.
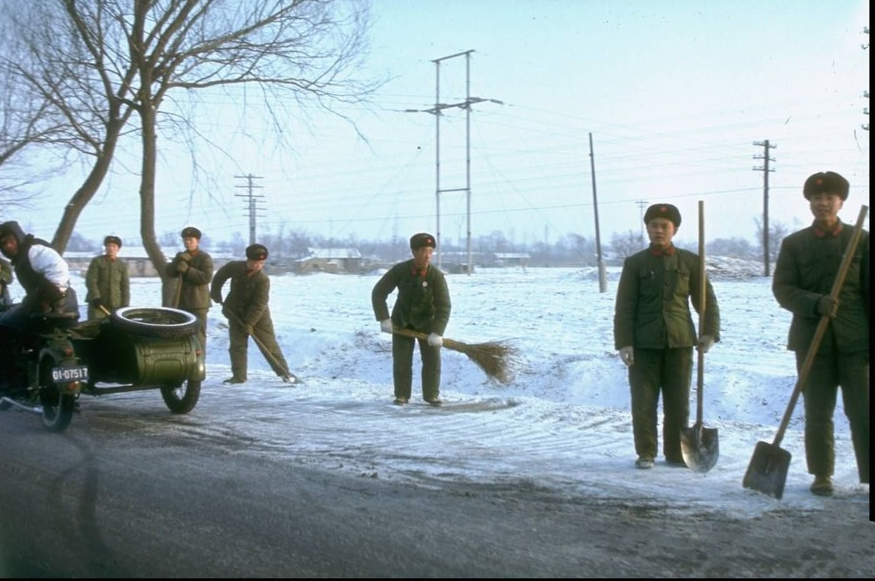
{"x":700,"y":447}
{"x":767,"y":471}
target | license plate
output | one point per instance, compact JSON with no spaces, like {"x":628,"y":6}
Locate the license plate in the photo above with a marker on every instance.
{"x":67,"y":374}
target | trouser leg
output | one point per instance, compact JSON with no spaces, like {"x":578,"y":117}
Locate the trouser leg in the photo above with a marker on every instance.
{"x":853,"y":371}
{"x":238,"y":347}
{"x":402,"y":364}
{"x":819,"y":396}
{"x":431,"y":370}
{"x":676,"y":374}
{"x":644,"y":388}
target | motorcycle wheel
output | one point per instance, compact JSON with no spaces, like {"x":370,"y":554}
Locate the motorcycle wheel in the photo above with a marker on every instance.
{"x":155,"y":321}
{"x":57,"y":409}
{"x":181,"y":399}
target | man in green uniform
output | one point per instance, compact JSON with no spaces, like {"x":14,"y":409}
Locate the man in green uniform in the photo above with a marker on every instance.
{"x":655,"y":335}
{"x":806,"y":268}
{"x":423,"y":304}
{"x":108,"y":282}
{"x":248,"y":313}
{"x":194,"y":269}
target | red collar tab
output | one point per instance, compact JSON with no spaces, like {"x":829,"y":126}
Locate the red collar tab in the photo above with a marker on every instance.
{"x":656,"y":251}
{"x":820,"y":233}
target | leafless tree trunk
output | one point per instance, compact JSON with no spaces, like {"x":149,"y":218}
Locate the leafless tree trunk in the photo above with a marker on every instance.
{"x":100,"y":61}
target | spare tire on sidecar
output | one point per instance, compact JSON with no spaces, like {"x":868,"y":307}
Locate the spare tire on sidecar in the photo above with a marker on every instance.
{"x":139,"y":348}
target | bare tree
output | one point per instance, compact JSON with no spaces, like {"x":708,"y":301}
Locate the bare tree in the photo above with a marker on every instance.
{"x":777,"y":232}
{"x":626,"y":244}
{"x":25,"y":122}
{"x":103,"y":61}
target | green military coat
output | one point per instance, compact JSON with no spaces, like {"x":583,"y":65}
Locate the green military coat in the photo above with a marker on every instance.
{"x":652,"y":310}
{"x":805,"y":271}
{"x":248,"y":296}
{"x":423,"y":301}
{"x":196,"y":278}
{"x":108,"y":280}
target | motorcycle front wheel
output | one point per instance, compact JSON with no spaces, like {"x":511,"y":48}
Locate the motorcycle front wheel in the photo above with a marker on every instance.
{"x":57,"y":409}
{"x":181,"y":399}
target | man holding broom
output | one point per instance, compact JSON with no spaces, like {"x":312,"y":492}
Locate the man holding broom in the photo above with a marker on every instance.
{"x":423,"y":305}
{"x":804,"y":274}
{"x":246,"y":307}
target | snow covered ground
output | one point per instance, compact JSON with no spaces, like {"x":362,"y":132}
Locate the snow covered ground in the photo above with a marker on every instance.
{"x":562,"y":424}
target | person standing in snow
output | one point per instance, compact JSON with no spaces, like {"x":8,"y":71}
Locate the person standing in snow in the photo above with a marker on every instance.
{"x":107,"y":281}
{"x":246,"y":307}
{"x":423,"y":305}
{"x":807,"y":264}
{"x":655,"y":335}
{"x":194,"y":269}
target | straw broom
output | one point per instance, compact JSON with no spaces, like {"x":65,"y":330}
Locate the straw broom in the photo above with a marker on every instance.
{"x":497,"y":358}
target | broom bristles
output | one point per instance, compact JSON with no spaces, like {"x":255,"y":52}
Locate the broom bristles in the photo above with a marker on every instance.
{"x":498,"y":359}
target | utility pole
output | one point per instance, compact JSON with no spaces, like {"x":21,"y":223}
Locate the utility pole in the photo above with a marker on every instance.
{"x":437,"y":111}
{"x":603,"y":280}
{"x":765,"y":169}
{"x":252,"y":201}
{"x":641,"y":204}
{"x":865,"y":93}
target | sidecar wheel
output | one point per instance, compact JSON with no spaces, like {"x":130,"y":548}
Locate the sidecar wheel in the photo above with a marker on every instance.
{"x":181,"y":399}
{"x":155,"y":321}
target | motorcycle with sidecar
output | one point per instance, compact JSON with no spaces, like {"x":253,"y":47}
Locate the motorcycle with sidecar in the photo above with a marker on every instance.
{"x":135,"y":348}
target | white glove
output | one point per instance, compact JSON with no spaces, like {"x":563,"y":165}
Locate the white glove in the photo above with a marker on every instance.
{"x":627,"y":355}
{"x":435,"y":340}
{"x":705,"y":343}
{"x":386,"y":326}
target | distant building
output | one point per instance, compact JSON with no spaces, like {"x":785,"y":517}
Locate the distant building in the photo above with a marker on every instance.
{"x":139,"y":263}
{"x":510,"y":259}
{"x":331,"y":260}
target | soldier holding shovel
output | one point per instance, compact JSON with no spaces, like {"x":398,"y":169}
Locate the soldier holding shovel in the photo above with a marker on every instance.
{"x":807,"y":267}
{"x":246,"y":307}
{"x":654,"y":333}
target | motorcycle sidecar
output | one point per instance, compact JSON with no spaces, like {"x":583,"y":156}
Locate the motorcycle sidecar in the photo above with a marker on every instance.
{"x":139,"y":348}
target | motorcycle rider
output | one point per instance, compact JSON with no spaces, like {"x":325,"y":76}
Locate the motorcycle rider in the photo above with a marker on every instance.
{"x":45,"y":277}
{"x":5,"y":280}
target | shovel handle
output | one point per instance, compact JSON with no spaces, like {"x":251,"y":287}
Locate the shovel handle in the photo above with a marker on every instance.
{"x":823,"y":324}
{"x":700,"y":367}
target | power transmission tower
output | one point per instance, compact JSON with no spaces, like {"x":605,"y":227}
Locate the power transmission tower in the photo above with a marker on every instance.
{"x":765,"y":169}
{"x":252,"y":200}
{"x":437,"y":111}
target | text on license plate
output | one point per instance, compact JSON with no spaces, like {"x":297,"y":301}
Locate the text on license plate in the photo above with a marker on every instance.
{"x":63,"y":374}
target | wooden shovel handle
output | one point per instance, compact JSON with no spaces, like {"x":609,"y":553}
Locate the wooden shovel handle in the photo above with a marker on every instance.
{"x":823,"y":324}
{"x":700,"y":367}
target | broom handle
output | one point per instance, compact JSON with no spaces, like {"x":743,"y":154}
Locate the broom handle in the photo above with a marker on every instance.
{"x":823,"y":324}
{"x":448,"y":343}
{"x":700,"y":368}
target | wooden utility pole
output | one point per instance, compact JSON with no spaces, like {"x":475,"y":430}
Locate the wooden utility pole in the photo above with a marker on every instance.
{"x":252,"y":200}
{"x":765,"y":169}
{"x":603,"y":279}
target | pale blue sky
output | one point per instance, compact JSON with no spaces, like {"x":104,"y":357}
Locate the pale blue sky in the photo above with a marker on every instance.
{"x":674,"y":94}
